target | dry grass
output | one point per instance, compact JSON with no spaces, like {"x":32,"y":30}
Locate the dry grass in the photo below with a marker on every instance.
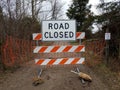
{"x":109,"y":74}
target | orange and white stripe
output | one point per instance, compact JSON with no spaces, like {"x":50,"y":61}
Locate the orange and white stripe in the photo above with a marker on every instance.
{"x":61,"y":61}
{"x":53,"y":49}
{"x":38,"y":36}
{"x":80,"y":35}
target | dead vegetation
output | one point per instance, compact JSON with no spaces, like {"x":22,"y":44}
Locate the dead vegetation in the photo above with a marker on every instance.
{"x":108,"y":73}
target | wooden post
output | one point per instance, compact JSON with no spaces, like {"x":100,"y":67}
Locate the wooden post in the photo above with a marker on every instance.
{"x":107,"y":49}
{"x":119,"y":48}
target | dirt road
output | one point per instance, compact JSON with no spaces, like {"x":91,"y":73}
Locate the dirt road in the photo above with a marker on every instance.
{"x":55,"y":78}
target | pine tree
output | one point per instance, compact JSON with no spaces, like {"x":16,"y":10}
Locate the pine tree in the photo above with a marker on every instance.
{"x":110,"y":20}
{"x":78,"y":11}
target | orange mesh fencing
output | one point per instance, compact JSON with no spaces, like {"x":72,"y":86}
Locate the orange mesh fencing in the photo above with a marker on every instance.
{"x":96,"y":46}
{"x":16,"y":51}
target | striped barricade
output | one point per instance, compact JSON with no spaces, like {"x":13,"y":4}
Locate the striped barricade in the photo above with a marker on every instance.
{"x":61,"y":61}
{"x":38,"y":36}
{"x":55,"y":49}
{"x":59,"y":49}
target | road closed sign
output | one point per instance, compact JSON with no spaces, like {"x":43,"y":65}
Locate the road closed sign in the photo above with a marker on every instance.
{"x":59,"y":30}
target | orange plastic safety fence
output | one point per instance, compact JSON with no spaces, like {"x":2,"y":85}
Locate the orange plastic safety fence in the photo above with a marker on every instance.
{"x":96,"y":46}
{"x":16,"y":51}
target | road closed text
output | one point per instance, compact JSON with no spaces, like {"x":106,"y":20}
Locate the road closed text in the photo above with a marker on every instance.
{"x":58,"y":30}
{"x":56,"y":26}
{"x":60,"y":34}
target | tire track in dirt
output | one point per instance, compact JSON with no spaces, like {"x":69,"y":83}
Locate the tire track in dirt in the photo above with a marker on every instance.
{"x":55,"y":77}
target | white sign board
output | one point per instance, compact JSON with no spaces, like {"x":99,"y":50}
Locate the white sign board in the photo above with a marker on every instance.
{"x":107,"y":36}
{"x":58,"y":30}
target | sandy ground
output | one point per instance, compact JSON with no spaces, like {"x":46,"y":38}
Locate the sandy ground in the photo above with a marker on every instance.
{"x":55,"y":77}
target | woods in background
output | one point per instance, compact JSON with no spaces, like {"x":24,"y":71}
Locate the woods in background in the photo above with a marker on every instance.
{"x":20,"y":18}
{"x":108,"y":19}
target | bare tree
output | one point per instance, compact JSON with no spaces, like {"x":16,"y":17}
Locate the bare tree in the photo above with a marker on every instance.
{"x":9,"y":9}
{"x":18,"y":8}
{"x":36,"y":6}
{"x":33,"y":8}
{"x":56,"y":11}
{"x":53,"y":9}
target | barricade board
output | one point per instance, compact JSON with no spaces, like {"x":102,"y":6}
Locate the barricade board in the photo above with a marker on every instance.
{"x":60,"y":61}
{"x":38,"y":36}
{"x":55,"y":49}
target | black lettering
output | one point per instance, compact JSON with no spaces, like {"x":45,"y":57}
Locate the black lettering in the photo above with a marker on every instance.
{"x":71,"y":34}
{"x":66,"y":25}
{"x":61,"y":35}
{"x":61,"y":26}
{"x":55,"y":26}
{"x":50,"y":26}
{"x":50,"y":35}
{"x":46,"y":34}
{"x":66,"y":34}
{"x":56,"y":34}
